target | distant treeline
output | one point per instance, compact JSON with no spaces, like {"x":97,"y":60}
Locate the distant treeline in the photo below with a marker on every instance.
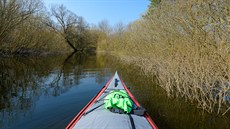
{"x":185,"y":44}
{"x":27,"y":27}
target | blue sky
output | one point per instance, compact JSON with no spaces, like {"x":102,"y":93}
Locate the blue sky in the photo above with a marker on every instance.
{"x":114,"y":11}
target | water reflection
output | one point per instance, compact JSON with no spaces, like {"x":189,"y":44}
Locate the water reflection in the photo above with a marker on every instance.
{"x":25,"y":82}
{"x":49,"y":92}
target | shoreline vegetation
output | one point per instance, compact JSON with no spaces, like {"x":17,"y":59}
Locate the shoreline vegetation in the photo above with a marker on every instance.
{"x":28,"y":27}
{"x":185,"y":45}
{"x":29,"y":53}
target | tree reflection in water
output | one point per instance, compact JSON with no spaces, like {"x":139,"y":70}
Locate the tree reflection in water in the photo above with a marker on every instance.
{"x":24,"y":80}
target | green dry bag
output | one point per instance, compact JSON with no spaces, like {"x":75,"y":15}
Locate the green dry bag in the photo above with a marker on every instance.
{"x":118,"y":99}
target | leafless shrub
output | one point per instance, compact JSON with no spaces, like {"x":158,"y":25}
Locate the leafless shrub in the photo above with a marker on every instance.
{"x":186,"y":45}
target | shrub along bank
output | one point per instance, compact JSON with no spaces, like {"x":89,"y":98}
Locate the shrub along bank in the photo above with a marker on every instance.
{"x":26,"y":27}
{"x":185,"y":44}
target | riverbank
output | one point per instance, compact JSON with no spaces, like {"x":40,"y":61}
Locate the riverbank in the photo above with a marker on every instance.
{"x":200,"y":88}
{"x":180,"y":46}
{"x":32,"y":52}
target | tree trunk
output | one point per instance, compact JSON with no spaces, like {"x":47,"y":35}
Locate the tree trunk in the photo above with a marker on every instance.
{"x":71,"y":45}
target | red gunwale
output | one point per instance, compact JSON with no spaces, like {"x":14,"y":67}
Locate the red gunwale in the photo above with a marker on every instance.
{"x":136,"y":102}
{"x":79,"y":115}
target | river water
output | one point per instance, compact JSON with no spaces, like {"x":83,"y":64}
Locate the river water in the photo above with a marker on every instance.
{"x":47,"y":92}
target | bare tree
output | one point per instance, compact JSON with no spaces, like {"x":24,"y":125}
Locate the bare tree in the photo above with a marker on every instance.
{"x":14,"y":12}
{"x":104,"y":27}
{"x":69,"y":25}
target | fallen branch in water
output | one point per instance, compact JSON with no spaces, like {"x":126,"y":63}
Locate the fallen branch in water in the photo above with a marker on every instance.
{"x":226,"y":111}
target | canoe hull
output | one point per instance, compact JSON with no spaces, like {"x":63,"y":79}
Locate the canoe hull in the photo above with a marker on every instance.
{"x":101,"y":118}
